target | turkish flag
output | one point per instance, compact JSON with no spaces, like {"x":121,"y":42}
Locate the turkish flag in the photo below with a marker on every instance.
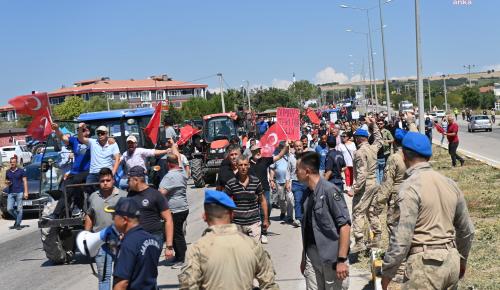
{"x":40,"y":127}
{"x":153,"y":126}
{"x":186,"y":133}
{"x":271,"y":140}
{"x":439,"y":128}
{"x":312,"y":116}
{"x":33,"y":104}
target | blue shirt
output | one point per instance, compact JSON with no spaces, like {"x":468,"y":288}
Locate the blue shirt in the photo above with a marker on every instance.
{"x":16,"y":180}
{"x":102,"y":156}
{"x":263,"y":126}
{"x":322,"y":151}
{"x":137,"y":259}
{"x":81,"y":153}
{"x":280,"y":167}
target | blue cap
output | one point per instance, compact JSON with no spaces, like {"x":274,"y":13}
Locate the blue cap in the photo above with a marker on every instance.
{"x":399,"y":134}
{"x":125,"y":206}
{"x":215,"y":196}
{"x":361,"y":132}
{"x":418,"y":143}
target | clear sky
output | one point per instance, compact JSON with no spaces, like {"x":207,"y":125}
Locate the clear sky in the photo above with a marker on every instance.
{"x":45,"y":44}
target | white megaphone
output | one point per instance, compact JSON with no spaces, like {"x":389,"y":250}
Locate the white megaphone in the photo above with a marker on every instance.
{"x":89,"y":243}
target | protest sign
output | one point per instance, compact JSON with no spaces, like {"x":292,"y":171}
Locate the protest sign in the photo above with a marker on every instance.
{"x":289,"y":120}
{"x":355,"y":115}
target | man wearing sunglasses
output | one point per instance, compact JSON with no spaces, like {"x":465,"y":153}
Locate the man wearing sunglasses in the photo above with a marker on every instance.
{"x":102,"y":154}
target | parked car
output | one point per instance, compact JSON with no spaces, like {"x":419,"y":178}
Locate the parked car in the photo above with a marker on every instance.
{"x":440,"y":113}
{"x":21,"y":151}
{"x":479,"y":122}
{"x":36,"y":199}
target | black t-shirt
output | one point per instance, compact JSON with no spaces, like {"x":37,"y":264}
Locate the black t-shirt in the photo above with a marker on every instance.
{"x":334,"y":163}
{"x":225,"y":173}
{"x":152,"y":203}
{"x":259,"y":168}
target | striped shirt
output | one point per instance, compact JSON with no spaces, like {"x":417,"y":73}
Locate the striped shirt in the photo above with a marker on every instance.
{"x":246,"y":199}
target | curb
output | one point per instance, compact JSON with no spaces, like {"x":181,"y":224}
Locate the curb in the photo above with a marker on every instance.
{"x":471,"y":155}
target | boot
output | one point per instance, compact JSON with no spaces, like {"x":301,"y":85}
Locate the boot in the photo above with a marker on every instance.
{"x":358,"y":246}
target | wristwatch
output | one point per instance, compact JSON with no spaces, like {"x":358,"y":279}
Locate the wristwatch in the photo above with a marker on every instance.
{"x":170,"y":247}
{"x":341,"y":259}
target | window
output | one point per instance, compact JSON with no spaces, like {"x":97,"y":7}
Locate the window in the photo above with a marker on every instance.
{"x":123,"y":95}
{"x":145,"y":105}
{"x":145,"y":96}
{"x":133,"y":95}
{"x":160,"y":95}
{"x":109,"y":96}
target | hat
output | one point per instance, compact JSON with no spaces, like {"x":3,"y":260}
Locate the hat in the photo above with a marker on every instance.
{"x":362,"y":118}
{"x":102,"y":128}
{"x":399,"y":134}
{"x":125,"y":207}
{"x":361,"y":132}
{"x":132,"y":138}
{"x":136,"y":171}
{"x":255,"y":147}
{"x":219,"y":197}
{"x":418,"y":143}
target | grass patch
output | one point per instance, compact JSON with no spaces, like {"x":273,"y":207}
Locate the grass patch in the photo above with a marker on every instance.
{"x":480,"y":184}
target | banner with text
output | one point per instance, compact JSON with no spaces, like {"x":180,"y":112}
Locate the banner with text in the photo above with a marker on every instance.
{"x":289,"y":120}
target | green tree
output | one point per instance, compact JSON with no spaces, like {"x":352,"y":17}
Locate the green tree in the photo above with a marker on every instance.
{"x":487,"y":101}
{"x":99,"y":103}
{"x":272,"y":98}
{"x":470,"y":97}
{"x":175,"y":114}
{"x":71,"y":108}
{"x":303,"y":90}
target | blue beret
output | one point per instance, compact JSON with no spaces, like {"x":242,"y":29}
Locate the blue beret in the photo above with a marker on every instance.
{"x":419,"y":143}
{"x":361,"y":132}
{"x":399,"y":134}
{"x":215,"y":196}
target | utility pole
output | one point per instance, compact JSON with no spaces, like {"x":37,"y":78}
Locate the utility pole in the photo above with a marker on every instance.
{"x":248,"y":95}
{"x":430,"y":97}
{"x":421,"y":109}
{"x":222,"y":92}
{"x":468,"y":67}
{"x":445,"y":94}
{"x":387,"y":92}
{"x":371,"y":55}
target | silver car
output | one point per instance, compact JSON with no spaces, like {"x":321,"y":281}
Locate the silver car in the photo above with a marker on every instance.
{"x":479,"y":122}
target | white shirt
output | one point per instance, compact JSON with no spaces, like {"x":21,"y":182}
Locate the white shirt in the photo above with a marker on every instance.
{"x":348,"y":152}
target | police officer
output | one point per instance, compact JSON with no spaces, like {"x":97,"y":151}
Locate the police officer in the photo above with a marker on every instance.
{"x":365,"y":186}
{"x":435,"y":233}
{"x":136,"y":265}
{"x":225,"y":258}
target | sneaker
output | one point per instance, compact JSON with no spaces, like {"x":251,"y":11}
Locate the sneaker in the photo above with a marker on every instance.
{"x":13,"y":227}
{"x":19,"y":227}
{"x":358,"y":247}
{"x":282,"y":217}
{"x":296,"y":223}
{"x":76,"y":211}
{"x":263,"y":239}
{"x":178,"y":265}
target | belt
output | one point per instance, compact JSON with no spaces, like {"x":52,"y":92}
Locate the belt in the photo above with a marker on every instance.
{"x":422,"y":248}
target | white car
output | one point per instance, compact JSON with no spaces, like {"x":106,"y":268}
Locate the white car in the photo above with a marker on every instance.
{"x":22,"y":153}
{"x":440,"y":113}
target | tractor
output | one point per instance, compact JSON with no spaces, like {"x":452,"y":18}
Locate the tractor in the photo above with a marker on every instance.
{"x":206,"y":158}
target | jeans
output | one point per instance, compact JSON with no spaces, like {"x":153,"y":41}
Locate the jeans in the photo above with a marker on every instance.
{"x":380,"y":169}
{"x":104,"y":284}
{"x":298,"y":191}
{"x":180,"y":246}
{"x":452,"y":149}
{"x":340,"y":185}
{"x":92,"y":178}
{"x":17,"y":212}
{"x":267,"y":194}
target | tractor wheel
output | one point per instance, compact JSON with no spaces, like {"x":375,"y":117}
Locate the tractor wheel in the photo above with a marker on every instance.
{"x":197,"y":172}
{"x":52,"y":243}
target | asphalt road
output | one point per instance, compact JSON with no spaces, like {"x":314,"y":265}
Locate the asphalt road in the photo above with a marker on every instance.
{"x":23,"y":264}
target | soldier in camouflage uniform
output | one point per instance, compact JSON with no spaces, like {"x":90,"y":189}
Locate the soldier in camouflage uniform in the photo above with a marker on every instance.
{"x":365,"y":186}
{"x":225,"y":258}
{"x":435,"y":231}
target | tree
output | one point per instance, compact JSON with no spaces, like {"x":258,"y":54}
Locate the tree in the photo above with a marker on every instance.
{"x":487,"y":101}
{"x":470,"y":97}
{"x":71,"y":108}
{"x":303,"y":90}
{"x":175,"y":114}
{"x":272,"y":98}
{"x":99,"y":103}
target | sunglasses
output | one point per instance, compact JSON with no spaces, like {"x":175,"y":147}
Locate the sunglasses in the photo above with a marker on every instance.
{"x":101,"y":133}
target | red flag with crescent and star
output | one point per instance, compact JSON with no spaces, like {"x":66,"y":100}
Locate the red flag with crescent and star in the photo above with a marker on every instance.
{"x":312,"y":116}
{"x":271,"y":140}
{"x":186,"y":133}
{"x":153,"y":126}
{"x":33,"y":104}
{"x":40,"y":126}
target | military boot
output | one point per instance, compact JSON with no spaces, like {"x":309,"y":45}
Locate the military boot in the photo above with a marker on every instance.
{"x":358,"y":246}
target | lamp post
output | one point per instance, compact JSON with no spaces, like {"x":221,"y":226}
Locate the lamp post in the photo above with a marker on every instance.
{"x":445,"y":94}
{"x":419,"y":69}
{"x":468,"y":67}
{"x":248,"y":95}
{"x":222,"y":93}
{"x":387,"y":91}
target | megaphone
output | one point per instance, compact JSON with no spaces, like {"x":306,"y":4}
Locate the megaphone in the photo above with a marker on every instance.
{"x":89,"y":243}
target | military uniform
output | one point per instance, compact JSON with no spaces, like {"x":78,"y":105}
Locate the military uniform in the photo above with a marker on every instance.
{"x":225,"y":258}
{"x":365,"y":186}
{"x":434,"y":231}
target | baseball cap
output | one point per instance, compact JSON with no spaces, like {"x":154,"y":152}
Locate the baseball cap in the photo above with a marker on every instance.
{"x":132,"y":138}
{"x":125,"y":207}
{"x":136,"y":171}
{"x":102,"y":128}
{"x":361,"y":132}
{"x":255,"y":147}
{"x":219,"y":197}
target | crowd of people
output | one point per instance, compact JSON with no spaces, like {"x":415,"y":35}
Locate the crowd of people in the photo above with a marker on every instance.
{"x":375,"y":162}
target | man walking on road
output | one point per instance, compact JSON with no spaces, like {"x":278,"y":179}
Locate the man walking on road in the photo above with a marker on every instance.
{"x":325,"y":229}
{"x":435,"y":232}
{"x":97,"y":219}
{"x":293,"y":184}
{"x":452,"y":135}
{"x":224,"y":258}
{"x":17,"y":189}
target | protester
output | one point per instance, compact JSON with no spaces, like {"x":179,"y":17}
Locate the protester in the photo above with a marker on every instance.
{"x":493,"y":116}
{"x":365,"y":186}
{"x":428,"y":128}
{"x":305,"y":143}
{"x":228,"y":167}
{"x":293,"y":184}
{"x":335,"y":165}
{"x":170,"y":134}
{"x":153,"y":206}
{"x":263,"y":126}
{"x":444,"y":125}
{"x":384,"y":152}
{"x":97,"y":218}
{"x":78,"y":173}
{"x":278,"y":180}
{"x":17,"y":189}
{"x":347,"y":147}
{"x":174,"y":186}
{"x":102,"y":153}
{"x":451,"y":134}
{"x":435,"y":232}
{"x":325,"y":229}
{"x":322,"y":149}
{"x":455,"y":111}
{"x":224,"y":258}
{"x":136,"y":266}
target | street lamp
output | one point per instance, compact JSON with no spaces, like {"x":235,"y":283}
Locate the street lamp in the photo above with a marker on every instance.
{"x":445,"y":94}
{"x":248,"y":95}
{"x":419,"y":69}
{"x":468,"y":67}
{"x":222,"y":92}
{"x":387,"y":92}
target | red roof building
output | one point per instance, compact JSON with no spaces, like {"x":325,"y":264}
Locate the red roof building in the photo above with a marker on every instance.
{"x":138,"y":93}
{"x":7,"y":114}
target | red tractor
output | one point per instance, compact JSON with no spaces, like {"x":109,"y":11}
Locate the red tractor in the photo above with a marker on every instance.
{"x":208,"y":152}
